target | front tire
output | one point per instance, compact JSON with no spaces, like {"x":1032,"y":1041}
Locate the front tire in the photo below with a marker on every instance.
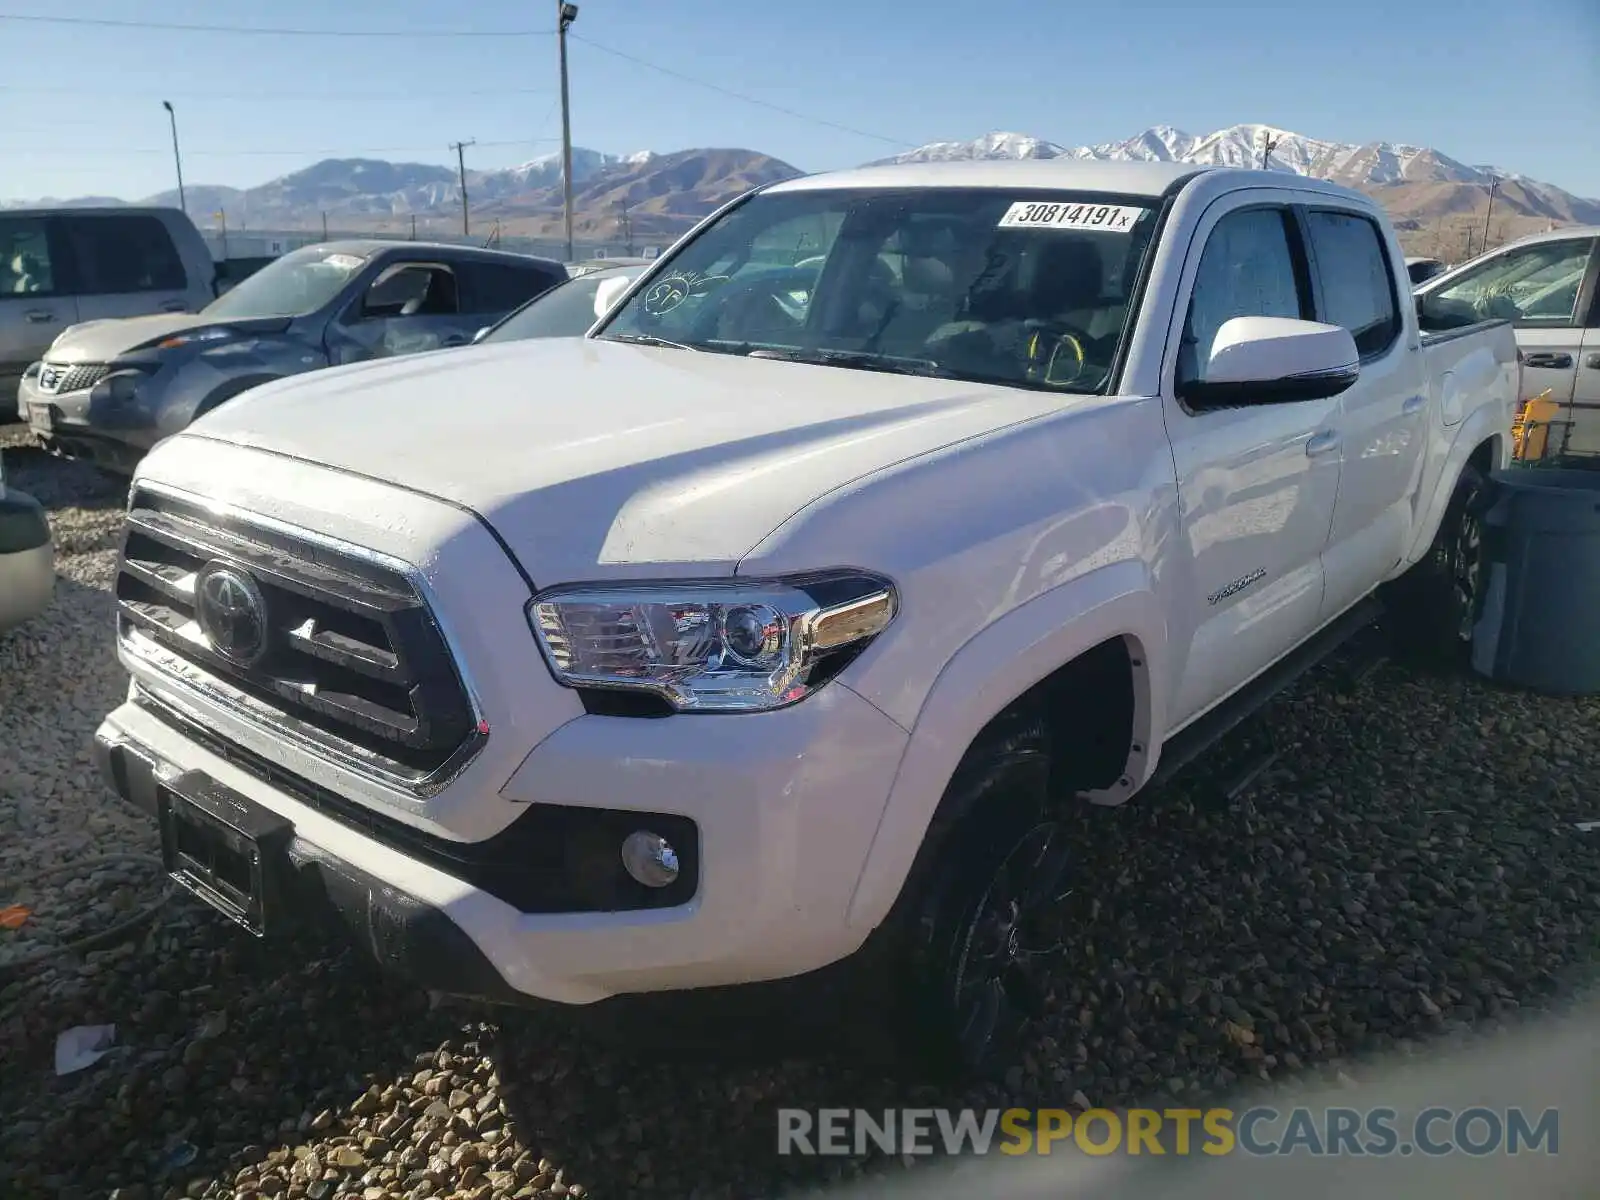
{"x":978,"y":945}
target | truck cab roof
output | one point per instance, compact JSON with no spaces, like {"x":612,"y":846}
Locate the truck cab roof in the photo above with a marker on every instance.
{"x":1151,"y":179}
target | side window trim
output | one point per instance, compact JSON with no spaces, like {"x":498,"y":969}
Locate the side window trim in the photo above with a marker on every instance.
{"x":1294,"y":235}
{"x":1303,"y":214}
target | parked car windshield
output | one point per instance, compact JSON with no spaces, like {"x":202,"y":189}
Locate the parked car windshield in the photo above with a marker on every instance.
{"x":1026,"y":288}
{"x":300,"y":282}
{"x":566,"y":310}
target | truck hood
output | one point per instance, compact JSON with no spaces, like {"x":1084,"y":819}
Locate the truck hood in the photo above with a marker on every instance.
{"x":595,"y":459}
{"x":103,"y":341}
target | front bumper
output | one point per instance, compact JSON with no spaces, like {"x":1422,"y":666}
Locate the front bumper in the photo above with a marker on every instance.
{"x":782,"y":808}
{"x":27,"y":560}
{"x":72,"y":424}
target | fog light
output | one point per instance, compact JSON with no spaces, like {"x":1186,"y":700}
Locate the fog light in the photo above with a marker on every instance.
{"x":650,"y":858}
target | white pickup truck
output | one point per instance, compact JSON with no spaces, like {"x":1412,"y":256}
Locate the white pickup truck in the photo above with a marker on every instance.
{"x":762,"y":633}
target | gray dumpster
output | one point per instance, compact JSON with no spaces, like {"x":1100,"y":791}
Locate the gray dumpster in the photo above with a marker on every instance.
{"x":1539,"y":626}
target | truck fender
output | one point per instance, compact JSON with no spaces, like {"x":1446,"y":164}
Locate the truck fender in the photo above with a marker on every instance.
{"x":991,"y":670}
{"x":1482,"y":426}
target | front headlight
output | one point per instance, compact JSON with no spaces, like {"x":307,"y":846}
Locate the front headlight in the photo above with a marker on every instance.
{"x":725,"y":646}
{"x":189,"y":339}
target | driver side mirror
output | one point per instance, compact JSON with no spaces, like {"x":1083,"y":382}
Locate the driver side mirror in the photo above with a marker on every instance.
{"x":1273,"y":360}
{"x":481,"y":334}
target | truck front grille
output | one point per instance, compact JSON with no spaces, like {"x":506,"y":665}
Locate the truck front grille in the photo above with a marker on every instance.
{"x":55,"y":378}
{"x":325,"y":646}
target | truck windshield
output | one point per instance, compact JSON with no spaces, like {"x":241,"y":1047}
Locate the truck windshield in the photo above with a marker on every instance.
{"x":1028,"y":289}
{"x":300,"y":282}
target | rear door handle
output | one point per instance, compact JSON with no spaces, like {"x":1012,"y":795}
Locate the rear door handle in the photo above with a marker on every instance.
{"x":39,"y":316}
{"x":1413,"y":405}
{"x":1594,"y":362}
{"x":1553,"y":362}
{"x":1321,"y":443}
{"x":455,"y":339}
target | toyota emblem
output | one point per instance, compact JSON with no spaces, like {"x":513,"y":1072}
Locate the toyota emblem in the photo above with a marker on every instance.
{"x":232,"y":613}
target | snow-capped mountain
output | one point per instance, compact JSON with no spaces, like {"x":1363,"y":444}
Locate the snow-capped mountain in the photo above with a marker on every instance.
{"x":1373,"y":166}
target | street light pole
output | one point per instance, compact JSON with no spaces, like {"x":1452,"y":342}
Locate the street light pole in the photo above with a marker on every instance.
{"x":566,"y":14}
{"x":177,"y":158}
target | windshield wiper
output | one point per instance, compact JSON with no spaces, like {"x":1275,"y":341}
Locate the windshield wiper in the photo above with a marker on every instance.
{"x":644,"y":339}
{"x":858,"y":359}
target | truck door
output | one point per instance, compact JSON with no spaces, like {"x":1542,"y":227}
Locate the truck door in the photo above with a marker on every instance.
{"x":410,"y":306}
{"x":1382,"y":417}
{"x":36,"y":300}
{"x":1256,"y":484}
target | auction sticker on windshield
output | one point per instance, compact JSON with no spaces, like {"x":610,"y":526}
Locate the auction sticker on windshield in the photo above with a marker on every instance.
{"x":1027,"y":214}
{"x":345,"y":262}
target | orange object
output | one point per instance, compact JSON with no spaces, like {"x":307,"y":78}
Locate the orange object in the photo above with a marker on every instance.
{"x":14,"y":917}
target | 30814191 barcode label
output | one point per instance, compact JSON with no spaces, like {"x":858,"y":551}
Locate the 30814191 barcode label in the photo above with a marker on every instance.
{"x":1029,"y":214}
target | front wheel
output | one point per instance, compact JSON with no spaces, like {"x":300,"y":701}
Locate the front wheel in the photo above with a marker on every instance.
{"x":1435,"y":604}
{"x":982,"y":940}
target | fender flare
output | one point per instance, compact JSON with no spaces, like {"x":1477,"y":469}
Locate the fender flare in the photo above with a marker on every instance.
{"x":992,"y":669}
{"x":1477,"y":429}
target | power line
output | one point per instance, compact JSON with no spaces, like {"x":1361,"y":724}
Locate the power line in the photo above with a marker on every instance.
{"x":296,"y":93}
{"x":274,"y":30}
{"x":778,"y":108}
{"x":333,"y":153}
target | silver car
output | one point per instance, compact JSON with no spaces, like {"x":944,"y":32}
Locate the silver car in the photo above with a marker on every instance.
{"x":107,"y":391}
{"x":62,"y":266}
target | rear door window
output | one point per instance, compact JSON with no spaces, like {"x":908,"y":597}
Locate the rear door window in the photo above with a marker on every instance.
{"x":412,"y":290}
{"x":116,"y":255}
{"x":1357,"y":283}
{"x":492,"y":289}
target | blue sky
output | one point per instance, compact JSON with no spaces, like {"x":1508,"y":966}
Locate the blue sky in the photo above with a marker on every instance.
{"x":1512,"y":84}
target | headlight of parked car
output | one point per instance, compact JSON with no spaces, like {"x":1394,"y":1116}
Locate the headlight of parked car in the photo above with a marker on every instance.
{"x":722,"y":646}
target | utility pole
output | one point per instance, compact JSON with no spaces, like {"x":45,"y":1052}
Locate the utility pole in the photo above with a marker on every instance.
{"x":177,"y":159}
{"x":461,"y":168}
{"x":413,"y":227}
{"x":324,"y":225}
{"x":222,"y":216}
{"x":1494,"y":186}
{"x":566,"y":14}
{"x":625,"y":221}
{"x":1268,"y":145}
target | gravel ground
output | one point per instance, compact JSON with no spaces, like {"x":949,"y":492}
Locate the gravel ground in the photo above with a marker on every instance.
{"x":1410,"y":871}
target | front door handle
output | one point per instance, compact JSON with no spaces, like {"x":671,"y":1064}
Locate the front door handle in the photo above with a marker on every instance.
{"x":1321,"y":443}
{"x":174,"y":306}
{"x":1552,"y":362}
{"x":39,"y":316}
{"x":1594,"y":362}
{"x":455,"y":339}
{"x":1413,"y":405}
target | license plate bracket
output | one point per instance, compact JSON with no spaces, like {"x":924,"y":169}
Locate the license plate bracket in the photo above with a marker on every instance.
{"x":224,"y":848}
{"x":40,"y":418}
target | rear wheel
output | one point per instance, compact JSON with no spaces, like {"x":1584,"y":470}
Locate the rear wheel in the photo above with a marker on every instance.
{"x":1435,"y":605}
